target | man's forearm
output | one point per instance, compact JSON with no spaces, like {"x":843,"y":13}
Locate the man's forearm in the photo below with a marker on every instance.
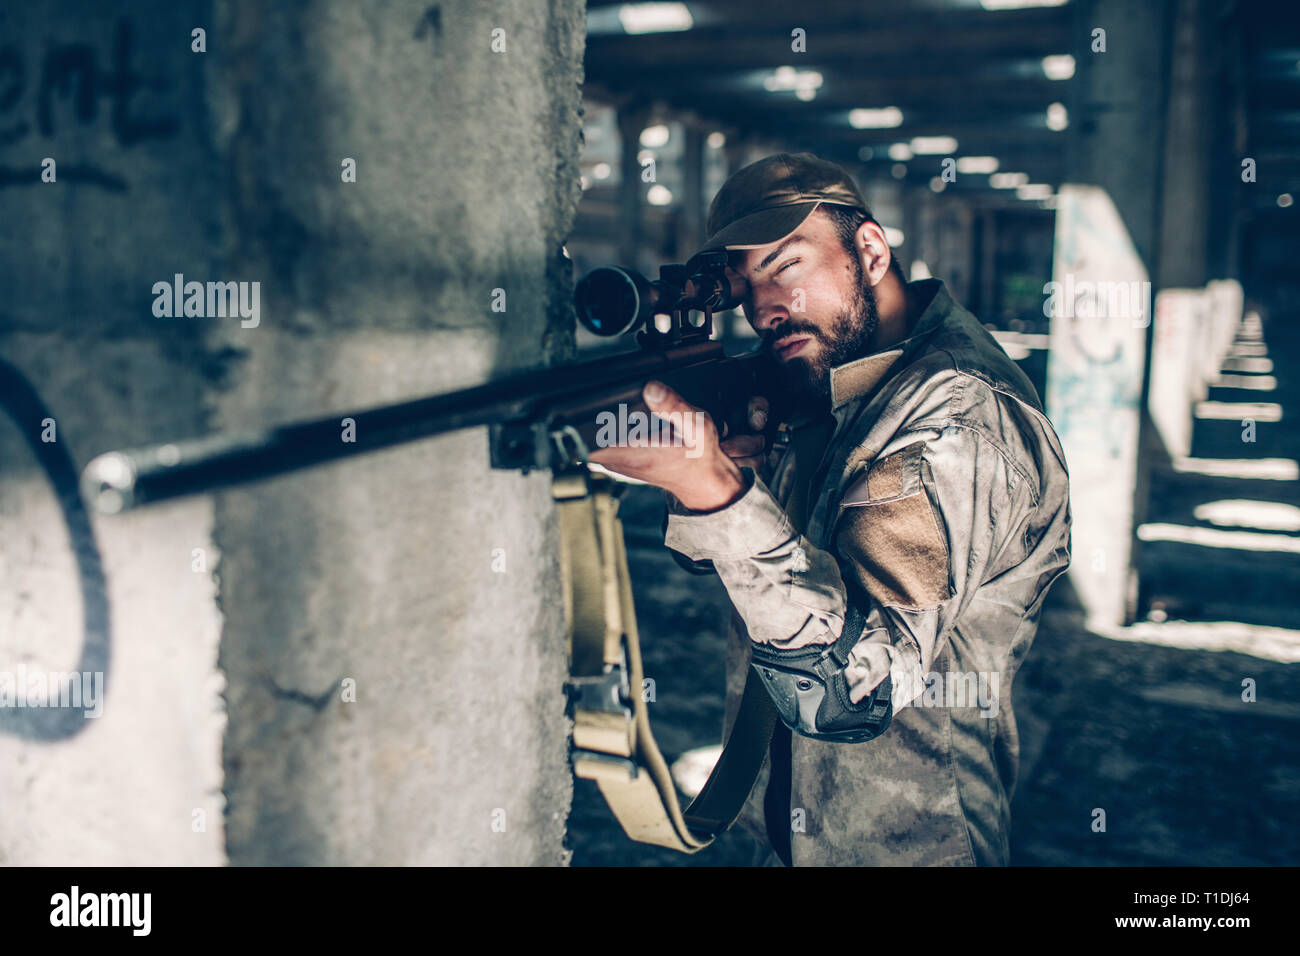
{"x":789,"y":593}
{"x":793,"y":601}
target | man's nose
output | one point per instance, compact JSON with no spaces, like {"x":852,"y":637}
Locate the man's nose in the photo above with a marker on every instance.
{"x":769,"y":316}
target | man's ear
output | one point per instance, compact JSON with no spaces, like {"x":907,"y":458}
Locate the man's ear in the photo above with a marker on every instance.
{"x":873,"y":251}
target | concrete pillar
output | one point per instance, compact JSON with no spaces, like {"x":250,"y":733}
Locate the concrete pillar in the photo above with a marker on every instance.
{"x":1117,"y":120}
{"x":632,"y":120}
{"x":690,"y":224}
{"x":736,"y":150}
{"x":112,"y":106}
{"x":988,"y":243}
{"x":1201,"y":182}
{"x":359,"y":664}
{"x":1228,"y":193}
{"x":913,"y":246}
{"x":955,"y":236}
{"x":1191,"y":119}
{"x":1205,"y":141}
{"x":1118,"y":109}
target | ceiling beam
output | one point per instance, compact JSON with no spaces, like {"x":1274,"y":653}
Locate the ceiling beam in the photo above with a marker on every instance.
{"x":746,"y":44}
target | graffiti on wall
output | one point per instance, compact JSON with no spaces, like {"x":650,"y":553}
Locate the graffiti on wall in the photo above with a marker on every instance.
{"x":70,"y":84}
{"x":20,"y":401}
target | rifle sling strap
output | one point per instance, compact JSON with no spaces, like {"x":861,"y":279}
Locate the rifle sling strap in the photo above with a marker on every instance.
{"x":612,"y":741}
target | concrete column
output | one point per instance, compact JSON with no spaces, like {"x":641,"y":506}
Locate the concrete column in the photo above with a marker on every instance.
{"x":112,"y":107}
{"x":1117,"y":114}
{"x":1201,"y":181}
{"x":693,"y":208}
{"x":1191,"y":119}
{"x":1205,"y":141}
{"x":988,"y":226}
{"x":955,"y":238}
{"x":913,"y":229}
{"x":632,"y":119}
{"x":359,"y":664}
{"x":736,"y":150}
{"x":1117,"y":121}
{"x":1228,"y":193}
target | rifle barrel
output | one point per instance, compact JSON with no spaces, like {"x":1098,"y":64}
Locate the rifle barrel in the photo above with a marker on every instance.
{"x":119,"y":480}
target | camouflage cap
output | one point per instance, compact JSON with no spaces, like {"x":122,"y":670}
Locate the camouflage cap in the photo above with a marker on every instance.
{"x":771,"y":198}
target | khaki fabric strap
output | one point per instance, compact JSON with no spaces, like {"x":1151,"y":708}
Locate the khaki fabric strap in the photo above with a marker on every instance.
{"x":612,"y":741}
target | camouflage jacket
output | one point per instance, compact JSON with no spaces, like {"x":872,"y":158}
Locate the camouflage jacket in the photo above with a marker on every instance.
{"x":938,"y":519}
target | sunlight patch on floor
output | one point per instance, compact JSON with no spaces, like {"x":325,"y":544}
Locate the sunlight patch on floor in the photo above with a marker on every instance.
{"x":1243,"y":513}
{"x":1259,"y":411}
{"x":692,"y":769}
{"x":1258,"y":640}
{"x":1259,"y":383}
{"x":1272,"y":469}
{"x":1248,"y":365}
{"x":1214,"y":538}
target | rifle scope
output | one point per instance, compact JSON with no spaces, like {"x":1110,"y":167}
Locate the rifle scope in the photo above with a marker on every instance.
{"x":612,"y":301}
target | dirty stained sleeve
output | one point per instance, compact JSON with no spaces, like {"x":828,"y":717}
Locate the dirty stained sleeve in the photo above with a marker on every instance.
{"x":915,"y":533}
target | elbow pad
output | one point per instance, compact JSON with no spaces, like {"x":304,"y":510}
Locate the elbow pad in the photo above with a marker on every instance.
{"x":811,"y":693}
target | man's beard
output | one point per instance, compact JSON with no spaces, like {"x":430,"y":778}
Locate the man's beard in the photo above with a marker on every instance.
{"x":807,"y":381}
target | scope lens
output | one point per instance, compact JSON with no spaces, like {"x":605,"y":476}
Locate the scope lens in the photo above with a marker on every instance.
{"x":607,"y":301}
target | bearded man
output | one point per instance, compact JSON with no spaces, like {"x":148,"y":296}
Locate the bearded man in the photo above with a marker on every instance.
{"x":888,"y":565}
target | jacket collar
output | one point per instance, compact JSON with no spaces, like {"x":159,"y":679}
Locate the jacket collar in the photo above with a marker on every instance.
{"x":859,"y":377}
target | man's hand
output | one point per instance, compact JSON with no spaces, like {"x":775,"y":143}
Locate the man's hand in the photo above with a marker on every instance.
{"x":747,"y":449}
{"x":696,"y":470}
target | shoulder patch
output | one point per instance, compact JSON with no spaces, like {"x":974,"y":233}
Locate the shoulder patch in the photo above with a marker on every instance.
{"x":888,"y":478}
{"x":890,"y":536}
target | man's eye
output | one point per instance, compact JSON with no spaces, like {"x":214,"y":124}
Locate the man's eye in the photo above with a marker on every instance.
{"x":785,"y":266}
